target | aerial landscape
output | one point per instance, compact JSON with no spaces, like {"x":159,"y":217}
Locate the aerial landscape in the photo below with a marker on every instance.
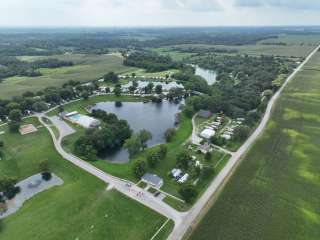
{"x":155,"y":120}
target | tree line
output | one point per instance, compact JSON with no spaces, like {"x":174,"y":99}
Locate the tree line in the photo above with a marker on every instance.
{"x":150,"y":61}
{"x":11,"y":66}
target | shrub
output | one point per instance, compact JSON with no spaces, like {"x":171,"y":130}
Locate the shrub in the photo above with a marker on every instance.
{"x":188,"y":193}
{"x":170,"y":132}
{"x":139,"y":169}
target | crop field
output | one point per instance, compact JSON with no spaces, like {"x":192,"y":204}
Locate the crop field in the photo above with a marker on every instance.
{"x":81,"y":208}
{"x":86,"y":68}
{"x":303,"y":39}
{"x":259,"y":49}
{"x":275,"y":192}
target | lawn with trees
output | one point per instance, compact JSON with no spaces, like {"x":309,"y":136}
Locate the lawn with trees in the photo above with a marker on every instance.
{"x":80,"y":208}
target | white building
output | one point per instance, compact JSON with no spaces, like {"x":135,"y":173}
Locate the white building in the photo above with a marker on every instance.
{"x":184,"y":178}
{"x":207,"y":133}
{"x":82,"y":120}
{"x":226,"y":136}
{"x":176,"y":172}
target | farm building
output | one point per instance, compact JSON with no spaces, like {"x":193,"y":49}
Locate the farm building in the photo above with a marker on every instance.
{"x":204,"y":114}
{"x":152,"y":179}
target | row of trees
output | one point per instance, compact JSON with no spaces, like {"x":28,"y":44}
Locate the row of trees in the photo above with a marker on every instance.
{"x":150,"y":61}
{"x":11,"y":66}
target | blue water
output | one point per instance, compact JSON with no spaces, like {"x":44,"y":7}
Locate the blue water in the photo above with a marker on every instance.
{"x":209,"y":75}
{"x":75,"y":117}
{"x":154,"y":117}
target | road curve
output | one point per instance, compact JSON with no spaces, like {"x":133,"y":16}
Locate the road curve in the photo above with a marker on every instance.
{"x":125,"y":187}
{"x":190,"y":218}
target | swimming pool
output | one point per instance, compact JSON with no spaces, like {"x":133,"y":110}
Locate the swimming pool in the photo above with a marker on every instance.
{"x":75,"y":117}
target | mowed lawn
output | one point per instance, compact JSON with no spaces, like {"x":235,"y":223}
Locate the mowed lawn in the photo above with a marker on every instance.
{"x":81,"y":208}
{"x":275,"y":192}
{"x":86,"y":68}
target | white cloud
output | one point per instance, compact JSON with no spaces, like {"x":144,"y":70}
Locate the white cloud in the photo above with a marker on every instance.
{"x":291,"y":4}
{"x":158,"y":12}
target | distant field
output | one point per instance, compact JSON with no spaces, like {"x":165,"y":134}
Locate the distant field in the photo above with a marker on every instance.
{"x":81,"y":208}
{"x":308,"y":39}
{"x":275,"y":192}
{"x":86,"y":68}
{"x":259,"y":49}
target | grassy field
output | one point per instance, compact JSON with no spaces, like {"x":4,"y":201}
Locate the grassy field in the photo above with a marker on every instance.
{"x":275,"y":192}
{"x":258,"y":49}
{"x":86,"y":68}
{"x":79,"y":209}
{"x":302,"y":39}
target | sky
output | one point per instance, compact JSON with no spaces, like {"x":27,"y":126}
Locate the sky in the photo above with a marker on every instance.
{"x":117,"y":13}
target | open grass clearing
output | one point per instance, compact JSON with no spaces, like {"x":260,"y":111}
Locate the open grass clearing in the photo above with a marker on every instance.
{"x":80,"y":208}
{"x":274,"y":194}
{"x":86,"y":68}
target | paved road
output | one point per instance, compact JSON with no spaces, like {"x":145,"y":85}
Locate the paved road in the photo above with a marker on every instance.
{"x":189,"y":219}
{"x":123,"y":186}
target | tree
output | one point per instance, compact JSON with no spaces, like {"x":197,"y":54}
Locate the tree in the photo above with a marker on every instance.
{"x":15,"y":115}
{"x":132,"y":89}
{"x":7,"y":186}
{"x":149,"y":88}
{"x":14,"y":126}
{"x":188,"y":193}
{"x":85,"y":94}
{"x":133,"y":75}
{"x":183,"y":159}
{"x":60,"y":108}
{"x":163,"y":150}
{"x":206,"y":172}
{"x":145,"y":136}
{"x":170,"y":132}
{"x":158,"y":89}
{"x":1,"y":143}
{"x":133,"y":145}
{"x":40,"y":106}
{"x":117,"y":91}
{"x":208,"y":156}
{"x":44,"y":168}
{"x":111,"y":77}
{"x":241,"y":133}
{"x":153,"y":159}
{"x":139,"y":169}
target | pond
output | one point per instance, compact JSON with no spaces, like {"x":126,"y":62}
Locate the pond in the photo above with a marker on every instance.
{"x":209,"y":75}
{"x":154,"y":117}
